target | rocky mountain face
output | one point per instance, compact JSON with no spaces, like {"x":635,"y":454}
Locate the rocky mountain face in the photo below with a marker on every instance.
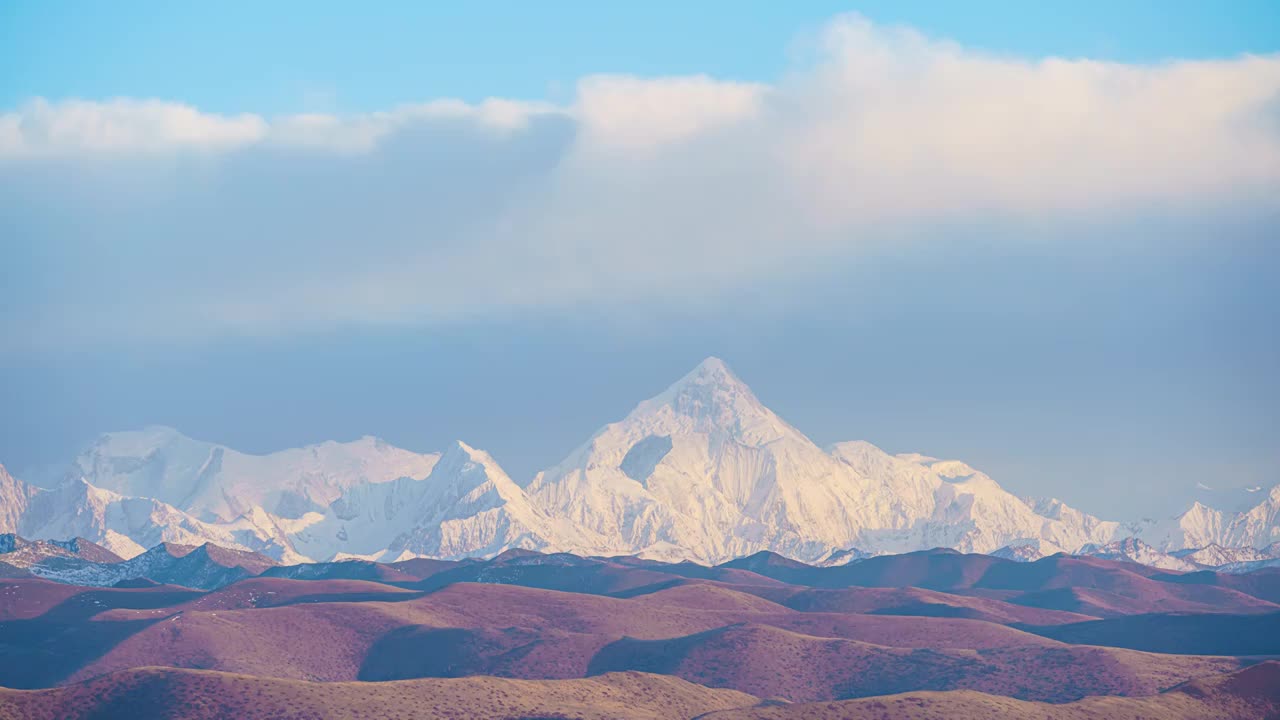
{"x":1217,"y":555}
{"x":78,"y":562}
{"x":703,"y":471}
{"x":19,"y":552}
{"x":1027,"y":550}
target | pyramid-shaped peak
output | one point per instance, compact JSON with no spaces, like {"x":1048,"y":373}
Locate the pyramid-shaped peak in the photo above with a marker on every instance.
{"x":460,"y":460}
{"x":709,"y":399}
{"x":459,"y":446}
{"x":712,"y":369}
{"x":459,"y":451}
{"x":711,"y":376}
{"x":712,"y":364}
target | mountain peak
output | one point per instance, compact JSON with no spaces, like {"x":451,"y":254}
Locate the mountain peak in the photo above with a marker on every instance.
{"x":471,"y":466}
{"x":712,"y":371}
{"x":712,"y":364}
{"x":141,"y":442}
{"x":709,"y":399}
{"x":712,"y":396}
{"x":460,"y":451}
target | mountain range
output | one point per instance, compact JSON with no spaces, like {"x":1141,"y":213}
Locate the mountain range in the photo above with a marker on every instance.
{"x":701,"y":472}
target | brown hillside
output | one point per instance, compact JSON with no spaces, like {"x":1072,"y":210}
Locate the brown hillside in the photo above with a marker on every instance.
{"x":1250,"y":694}
{"x":197,"y":695}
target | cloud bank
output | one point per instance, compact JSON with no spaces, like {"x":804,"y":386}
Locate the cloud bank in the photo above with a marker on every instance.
{"x":145,"y":219}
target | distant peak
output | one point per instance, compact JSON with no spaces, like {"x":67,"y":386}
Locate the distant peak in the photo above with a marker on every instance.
{"x":459,"y":454}
{"x":152,"y":431}
{"x":139,"y":443}
{"x":711,"y":373}
{"x":712,"y":364}
{"x":457,"y":447}
{"x":715,"y":369}
{"x":710,"y":399}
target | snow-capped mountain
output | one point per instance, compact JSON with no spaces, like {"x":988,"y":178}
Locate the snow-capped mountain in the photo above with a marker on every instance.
{"x":1247,"y":566}
{"x":970,"y":512}
{"x":471,"y":508}
{"x":703,"y":471}
{"x":1134,"y":550}
{"x":1201,"y":526}
{"x":843,"y":557}
{"x":707,"y":472}
{"x":1216,"y":555}
{"x":1230,"y":499}
{"x":216,"y":483}
{"x":129,"y":525}
{"x":466,"y":507}
{"x":1027,"y":550}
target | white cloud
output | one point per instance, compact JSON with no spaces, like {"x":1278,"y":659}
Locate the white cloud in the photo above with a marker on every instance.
{"x":121,"y":126}
{"x":362,"y":133}
{"x":630,"y":113}
{"x":125,"y":125}
{"x":639,"y":191}
{"x":890,"y":121}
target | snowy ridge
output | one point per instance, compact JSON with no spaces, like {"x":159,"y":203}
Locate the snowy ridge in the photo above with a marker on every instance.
{"x":216,"y":483}
{"x":205,"y":567}
{"x":843,"y":557}
{"x":15,"y":497}
{"x":703,"y":471}
{"x":1134,"y":550}
{"x":127,"y":526}
{"x":1202,"y":526}
{"x":1218,"y":556}
{"x":1027,"y":550}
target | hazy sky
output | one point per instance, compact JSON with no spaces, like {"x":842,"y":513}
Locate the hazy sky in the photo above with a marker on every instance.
{"x":1043,"y":239}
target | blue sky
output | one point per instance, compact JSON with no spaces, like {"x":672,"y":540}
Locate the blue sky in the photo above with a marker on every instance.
{"x":268,"y":225}
{"x":294,"y":56}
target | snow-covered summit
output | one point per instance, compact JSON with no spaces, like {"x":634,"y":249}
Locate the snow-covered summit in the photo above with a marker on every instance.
{"x":704,"y":466}
{"x":710,"y":399}
{"x":216,"y":483}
